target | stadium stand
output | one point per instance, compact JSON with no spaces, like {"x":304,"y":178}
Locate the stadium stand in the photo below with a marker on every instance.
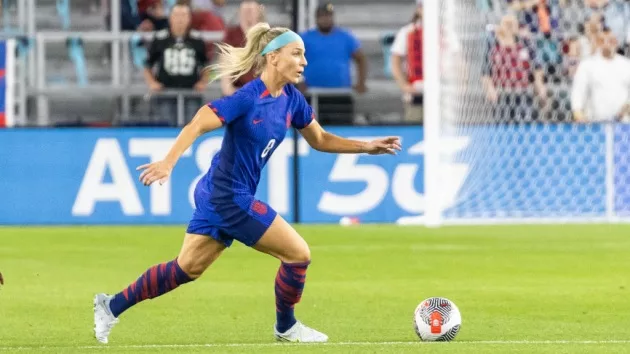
{"x":78,"y":70}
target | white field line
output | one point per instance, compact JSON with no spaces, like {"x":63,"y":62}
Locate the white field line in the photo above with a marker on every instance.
{"x":329,"y":344}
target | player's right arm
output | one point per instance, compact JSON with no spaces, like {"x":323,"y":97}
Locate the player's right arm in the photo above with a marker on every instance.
{"x":204,"y":121}
{"x":209,"y":117}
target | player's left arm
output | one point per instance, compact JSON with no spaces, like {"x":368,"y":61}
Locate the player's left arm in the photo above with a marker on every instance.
{"x":321,"y":140}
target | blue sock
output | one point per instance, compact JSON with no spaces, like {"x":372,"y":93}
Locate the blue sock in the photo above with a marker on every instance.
{"x":156,"y":281}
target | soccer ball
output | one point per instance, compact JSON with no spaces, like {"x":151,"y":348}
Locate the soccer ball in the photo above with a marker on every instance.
{"x":437,"y":319}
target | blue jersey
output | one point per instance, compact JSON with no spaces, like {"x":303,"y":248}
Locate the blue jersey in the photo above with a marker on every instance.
{"x":256,"y":123}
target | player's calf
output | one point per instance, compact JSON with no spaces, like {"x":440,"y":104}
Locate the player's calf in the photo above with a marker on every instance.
{"x":156,"y":281}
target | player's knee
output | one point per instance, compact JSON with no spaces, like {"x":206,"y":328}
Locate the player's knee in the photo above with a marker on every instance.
{"x":299,"y":255}
{"x":197,"y":254}
{"x":194,"y":269}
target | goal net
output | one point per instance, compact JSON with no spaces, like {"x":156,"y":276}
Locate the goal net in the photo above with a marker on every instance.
{"x":510,"y":150}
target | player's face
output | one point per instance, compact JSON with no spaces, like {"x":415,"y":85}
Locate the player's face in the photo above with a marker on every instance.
{"x":291,"y":62}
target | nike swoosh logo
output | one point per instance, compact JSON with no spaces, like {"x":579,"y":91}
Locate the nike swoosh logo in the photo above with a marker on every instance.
{"x":256,"y":121}
{"x":107,"y":310}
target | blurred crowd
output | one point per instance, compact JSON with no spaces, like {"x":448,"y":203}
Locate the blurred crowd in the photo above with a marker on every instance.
{"x":559,"y":60}
{"x":543,"y":60}
{"x":180,"y":60}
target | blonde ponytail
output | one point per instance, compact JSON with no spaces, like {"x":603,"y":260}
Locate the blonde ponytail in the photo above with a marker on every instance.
{"x":233,"y":62}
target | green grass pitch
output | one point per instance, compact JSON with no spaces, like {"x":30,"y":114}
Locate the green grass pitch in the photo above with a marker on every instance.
{"x":524,"y":289}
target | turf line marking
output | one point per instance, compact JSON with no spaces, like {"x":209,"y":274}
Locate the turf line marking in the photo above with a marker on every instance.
{"x":329,"y":344}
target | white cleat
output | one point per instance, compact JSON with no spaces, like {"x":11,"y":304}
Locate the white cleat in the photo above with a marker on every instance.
{"x":104,"y":320}
{"x":300,"y":333}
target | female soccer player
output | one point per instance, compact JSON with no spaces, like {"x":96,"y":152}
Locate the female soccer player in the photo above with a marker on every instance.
{"x":256,"y":117}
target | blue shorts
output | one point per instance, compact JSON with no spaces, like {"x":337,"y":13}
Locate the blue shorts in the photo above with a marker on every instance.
{"x":229,"y":216}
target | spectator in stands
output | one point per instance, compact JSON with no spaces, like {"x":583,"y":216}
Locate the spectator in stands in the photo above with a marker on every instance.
{"x":137,"y":15}
{"x":589,"y":32}
{"x":560,"y":106}
{"x":178,"y":56}
{"x":615,"y":14}
{"x":601,"y":87}
{"x":208,"y":5}
{"x":207,"y":16}
{"x":140,"y":15}
{"x":249,"y":13}
{"x":329,"y":51}
{"x":617,"y":18}
{"x":509,"y":68}
{"x":408,"y":46}
{"x":540,"y":16}
{"x":571,"y":58}
{"x":155,"y":11}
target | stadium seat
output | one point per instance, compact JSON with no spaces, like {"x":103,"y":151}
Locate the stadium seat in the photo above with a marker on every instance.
{"x":24,"y":45}
{"x":169,"y":5}
{"x":63,"y":10}
{"x":138,"y":51}
{"x":387,"y":41}
{"x":6,"y":16}
{"x":134,"y":7}
{"x":77,"y":56}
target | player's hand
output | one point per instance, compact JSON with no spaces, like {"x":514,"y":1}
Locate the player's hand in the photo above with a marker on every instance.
{"x":156,"y":171}
{"x":387,"y":145}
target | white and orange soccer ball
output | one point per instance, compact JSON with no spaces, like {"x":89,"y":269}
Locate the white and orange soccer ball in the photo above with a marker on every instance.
{"x":437,"y":319}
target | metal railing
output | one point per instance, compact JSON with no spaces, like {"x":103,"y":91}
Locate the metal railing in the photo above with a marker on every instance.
{"x":126,"y":94}
{"x":121,"y":67}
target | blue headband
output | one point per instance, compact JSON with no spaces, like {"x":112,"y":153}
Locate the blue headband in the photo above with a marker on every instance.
{"x":281,"y":41}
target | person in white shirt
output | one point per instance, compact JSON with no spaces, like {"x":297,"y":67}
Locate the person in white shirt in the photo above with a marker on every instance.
{"x":410,"y":79}
{"x":601,"y":86}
